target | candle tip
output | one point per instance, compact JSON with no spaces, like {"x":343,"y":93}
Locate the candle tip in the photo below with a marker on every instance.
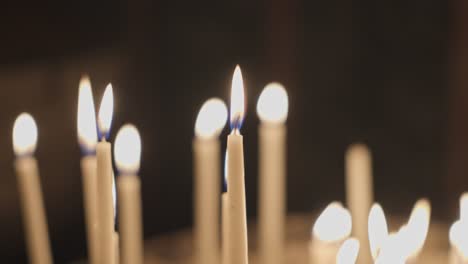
{"x":86,"y":117}
{"x":272,"y":105}
{"x":333,"y":224}
{"x":211,"y":119}
{"x":127,"y":150}
{"x":105,"y":112}
{"x":24,"y":135}
{"x":237,"y":100}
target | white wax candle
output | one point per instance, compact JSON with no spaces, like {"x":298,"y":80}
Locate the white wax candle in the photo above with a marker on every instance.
{"x":272,"y":109}
{"x":330,"y":229}
{"x":359,"y":194}
{"x":116,"y":244}
{"x":238,"y":245}
{"x":225,"y":228}
{"x":206,"y":149}
{"x":105,"y":179}
{"x":127,"y":154}
{"x":29,"y":185}
{"x":87,"y":138}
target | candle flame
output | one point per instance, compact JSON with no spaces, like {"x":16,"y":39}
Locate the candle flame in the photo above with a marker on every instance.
{"x":272,"y":105}
{"x":237,"y":100}
{"x":333,"y":224}
{"x":418,"y":227}
{"x":24,"y":135}
{"x":127,"y":150}
{"x":211,"y":118}
{"x":105,"y":112}
{"x":392,"y":249}
{"x":464,"y":207}
{"x":86,"y":121}
{"x":348,"y":252}
{"x":377,"y":229}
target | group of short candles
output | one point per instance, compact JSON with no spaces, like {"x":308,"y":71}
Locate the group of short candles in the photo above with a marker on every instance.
{"x":339,"y":235}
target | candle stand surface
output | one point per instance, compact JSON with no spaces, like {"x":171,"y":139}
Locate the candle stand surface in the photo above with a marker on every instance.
{"x":176,"y":247}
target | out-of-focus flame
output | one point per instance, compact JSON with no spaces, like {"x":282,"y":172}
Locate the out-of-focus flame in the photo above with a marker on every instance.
{"x":348,"y":252}
{"x":464,"y":207}
{"x":24,"y":135}
{"x":106,"y":112}
{"x":237,"y":100}
{"x":459,"y":229}
{"x":211,"y":118}
{"x":333,"y":224}
{"x":272,"y":105}
{"x":392,"y":250}
{"x":415,"y":232}
{"x":86,"y":121}
{"x":127,"y":150}
{"x":377,"y":229}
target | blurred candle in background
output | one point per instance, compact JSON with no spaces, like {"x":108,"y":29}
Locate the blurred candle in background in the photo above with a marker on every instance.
{"x":207,"y":173}
{"x":238,"y":244}
{"x":87,"y":138}
{"x":330,"y":229}
{"x":272,"y":109}
{"x":348,"y":252}
{"x":359,"y":194}
{"x":104,"y":182}
{"x":29,"y":185}
{"x":127,"y":153}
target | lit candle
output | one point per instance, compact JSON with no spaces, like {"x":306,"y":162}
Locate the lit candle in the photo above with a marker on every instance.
{"x":378,"y":229}
{"x":331,"y":228}
{"x":359,"y":194}
{"x":238,"y":247}
{"x":87,"y":137}
{"x":416,"y":230}
{"x":348,"y":252}
{"x":225,"y":215}
{"x":127,"y":154}
{"x":32,"y":205}
{"x":272,"y":109}
{"x":104,"y":179}
{"x":206,"y":148}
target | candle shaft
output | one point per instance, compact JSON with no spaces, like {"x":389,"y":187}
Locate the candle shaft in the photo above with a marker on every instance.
{"x":88,"y":171}
{"x":238,"y":247}
{"x":116,"y":248}
{"x":106,"y":207}
{"x":34,"y":217}
{"x":272,"y":192}
{"x":359,"y":195}
{"x":207,"y":191}
{"x":130,"y":222}
{"x":225,"y":227}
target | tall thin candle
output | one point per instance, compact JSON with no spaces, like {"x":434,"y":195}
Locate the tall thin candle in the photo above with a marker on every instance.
{"x":104,"y":182}
{"x":238,"y":247}
{"x":272,"y":109}
{"x":206,"y":148}
{"x":127,"y":154}
{"x":32,"y":205}
{"x":87,"y":137}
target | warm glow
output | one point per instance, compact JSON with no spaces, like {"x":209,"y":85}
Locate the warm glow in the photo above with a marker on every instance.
{"x":237,"y":100}
{"x":272,"y":104}
{"x":377,"y":229}
{"x":333,"y":224}
{"x":211,"y":118}
{"x":464,"y":207}
{"x":417,"y":228}
{"x":105,"y":112}
{"x":24,"y":135}
{"x":458,"y":239}
{"x":127,"y":150}
{"x":87,"y":134}
{"x":348,"y":252}
{"x":391,"y":251}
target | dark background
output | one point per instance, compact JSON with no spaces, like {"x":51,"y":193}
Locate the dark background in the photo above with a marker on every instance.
{"x":387,"y":73}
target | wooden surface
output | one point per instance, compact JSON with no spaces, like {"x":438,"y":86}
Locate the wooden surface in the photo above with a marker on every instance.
{"x":175,"y":248}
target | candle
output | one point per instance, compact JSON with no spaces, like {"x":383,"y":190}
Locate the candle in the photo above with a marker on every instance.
{"x":116,"y":248}
{"x":104,"y":179}
{"x":272,"y":109}
{"x":32,"y":205}
{"x":225,"y":215}
{"x":127,"y":154}
{"x":238,"y":248}
{"x":87,"y":137}
{"x":348,"y":252}
{"x":206,"y":147}
{"x":359,"y":194}
{"x":377,"y":229}
{"x":331,"y":228}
